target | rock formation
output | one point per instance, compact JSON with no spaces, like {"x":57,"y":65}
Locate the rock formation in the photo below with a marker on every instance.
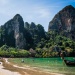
{"x":64,"y":20}
{"x":14,"y":28}
{"x":15,"y":33}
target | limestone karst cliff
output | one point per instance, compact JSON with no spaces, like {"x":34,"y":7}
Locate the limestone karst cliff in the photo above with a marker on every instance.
{"x":13,"y":32}
{"x":64,"y":19}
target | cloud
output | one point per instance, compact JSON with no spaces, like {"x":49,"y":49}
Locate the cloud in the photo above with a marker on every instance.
{"x":39,"y":12}
{"x":30,"y":12}
{"x":4,"y":2}
{"x":7,"y":8}
{"x":43,"y":13}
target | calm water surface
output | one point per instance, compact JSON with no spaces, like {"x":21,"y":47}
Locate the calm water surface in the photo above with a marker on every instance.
{"x":48,"y":64}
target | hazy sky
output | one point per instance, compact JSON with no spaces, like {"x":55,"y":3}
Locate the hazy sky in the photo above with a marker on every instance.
{"x":37,"y":11}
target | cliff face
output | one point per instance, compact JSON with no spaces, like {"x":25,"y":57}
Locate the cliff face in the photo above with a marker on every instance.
{"x":13,"y":30}
{"x":34,"y":33}
{"x":64,"y":20}
{"x":15,"y":33}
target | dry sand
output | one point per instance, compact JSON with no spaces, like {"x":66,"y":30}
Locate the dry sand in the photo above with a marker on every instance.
{"x":6,"y":72}
{"x":6,"y":68}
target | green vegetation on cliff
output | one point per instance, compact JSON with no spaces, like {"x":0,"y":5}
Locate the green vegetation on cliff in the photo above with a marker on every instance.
{"x":50,"y":46}
{"x":19,"y":39}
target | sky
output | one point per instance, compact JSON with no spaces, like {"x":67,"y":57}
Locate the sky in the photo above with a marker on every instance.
{"x":37,"y":11}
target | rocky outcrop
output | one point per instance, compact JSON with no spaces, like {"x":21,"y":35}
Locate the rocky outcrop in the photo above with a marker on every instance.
{"x":14,"y":28}
{"x":15,"y":33}
{"x":36,"y":33}
{"x":64,"y":20}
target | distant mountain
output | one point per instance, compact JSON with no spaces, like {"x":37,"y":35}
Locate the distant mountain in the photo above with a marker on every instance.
{"x":64,"y":21}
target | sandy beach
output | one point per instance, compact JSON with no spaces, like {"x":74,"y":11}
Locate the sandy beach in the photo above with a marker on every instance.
{"x":6,"y":68}
{"x":6,"y":72}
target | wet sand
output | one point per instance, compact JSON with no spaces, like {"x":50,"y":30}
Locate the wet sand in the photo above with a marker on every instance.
{"x":6,"y":72}
{"x":8,"y":68}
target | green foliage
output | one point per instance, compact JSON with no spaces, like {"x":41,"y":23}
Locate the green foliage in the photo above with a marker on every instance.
{"x":53,"y":44}
{"x":45,"y":44}
{"x":6,"y":51}
{"x":33,"y":34}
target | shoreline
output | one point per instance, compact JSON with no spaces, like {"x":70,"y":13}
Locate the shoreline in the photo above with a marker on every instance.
{"x":23,"y":70}
{"x":5,"y":71}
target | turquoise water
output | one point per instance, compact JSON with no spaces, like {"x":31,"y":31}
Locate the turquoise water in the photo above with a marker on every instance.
{"x":48,"y":64}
